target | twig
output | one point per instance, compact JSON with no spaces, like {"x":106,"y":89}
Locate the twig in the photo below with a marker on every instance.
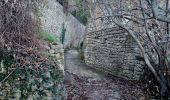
{"x":7,"y":76}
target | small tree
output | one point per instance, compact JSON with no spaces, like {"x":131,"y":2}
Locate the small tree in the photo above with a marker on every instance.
{"x":147,"y":21}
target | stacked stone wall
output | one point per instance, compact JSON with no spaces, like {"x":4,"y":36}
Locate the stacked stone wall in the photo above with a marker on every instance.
{"x":112,"y":50}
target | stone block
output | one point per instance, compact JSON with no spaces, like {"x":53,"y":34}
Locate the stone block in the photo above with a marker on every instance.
{"x":51,"y":51}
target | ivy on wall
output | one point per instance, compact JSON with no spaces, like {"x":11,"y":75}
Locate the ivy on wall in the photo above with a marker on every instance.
{"x":29,"y":75}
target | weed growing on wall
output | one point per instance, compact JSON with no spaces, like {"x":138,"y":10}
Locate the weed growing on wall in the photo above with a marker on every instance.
{"x":48,"y":37}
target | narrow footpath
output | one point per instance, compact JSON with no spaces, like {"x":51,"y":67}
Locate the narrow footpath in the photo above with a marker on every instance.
{"x":85,"y":83}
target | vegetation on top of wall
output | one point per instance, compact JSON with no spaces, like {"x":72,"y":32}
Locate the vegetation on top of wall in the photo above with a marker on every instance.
{"x":78,"y":15}
{"x":81,"y":13}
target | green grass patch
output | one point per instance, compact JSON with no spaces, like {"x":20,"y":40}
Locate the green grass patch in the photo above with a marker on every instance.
{"x":48,"y":37}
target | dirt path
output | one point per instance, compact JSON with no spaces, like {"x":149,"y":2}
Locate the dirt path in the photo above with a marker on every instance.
{"x":84,"y":83}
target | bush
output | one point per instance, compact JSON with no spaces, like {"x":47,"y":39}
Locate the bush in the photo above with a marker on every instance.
{"x":18,"y":27}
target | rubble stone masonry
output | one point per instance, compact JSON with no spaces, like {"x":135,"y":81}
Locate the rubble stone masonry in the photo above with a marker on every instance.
{"x":113,"y":51}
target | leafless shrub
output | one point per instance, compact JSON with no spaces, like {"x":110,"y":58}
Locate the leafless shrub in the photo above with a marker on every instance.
{"x":147,"y":21}
{"x":18,"y":23}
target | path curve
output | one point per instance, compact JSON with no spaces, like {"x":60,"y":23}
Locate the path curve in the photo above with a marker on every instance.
{"x":84,"y":83}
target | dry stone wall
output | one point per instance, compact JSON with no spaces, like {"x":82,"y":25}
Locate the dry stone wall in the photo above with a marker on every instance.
{"x":112,"y":50}
{"x":56,"y":51}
